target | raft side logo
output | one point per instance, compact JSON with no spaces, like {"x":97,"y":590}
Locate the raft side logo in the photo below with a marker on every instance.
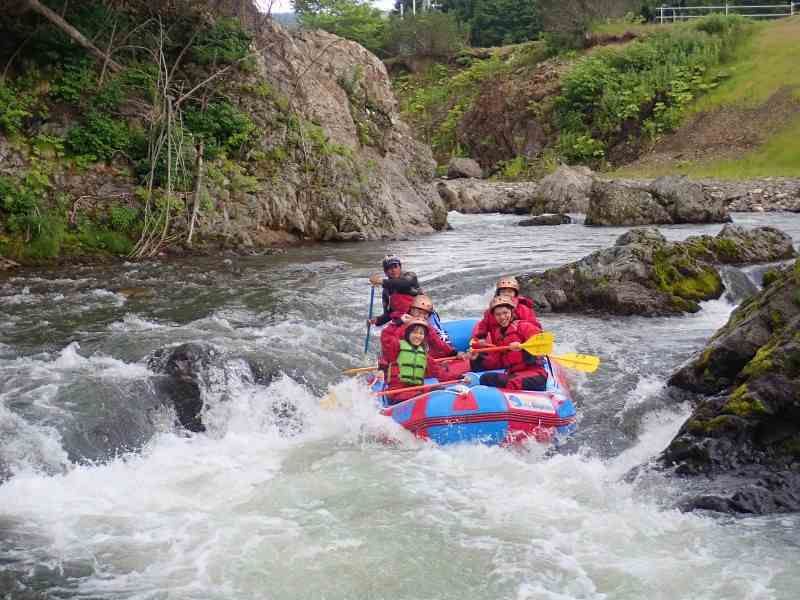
{"x":534,"y":402}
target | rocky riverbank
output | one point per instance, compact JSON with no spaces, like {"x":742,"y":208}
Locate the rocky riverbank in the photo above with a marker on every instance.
{"x":644,"y":274}
{"x":609,"y":201}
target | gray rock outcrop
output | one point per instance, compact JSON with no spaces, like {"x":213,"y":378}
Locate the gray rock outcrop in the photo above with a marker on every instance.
{"x":566,"y":190}
{"x":744,"y":437}
{"x":667,"y":200}
{"x":459,"y":168}
{"x":644,"y":274}
{"x":472,"y":196}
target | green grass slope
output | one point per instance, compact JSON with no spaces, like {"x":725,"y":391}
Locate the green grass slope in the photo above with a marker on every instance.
{"x":761,"y":95}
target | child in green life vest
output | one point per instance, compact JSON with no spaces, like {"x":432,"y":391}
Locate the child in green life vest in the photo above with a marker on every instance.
{"x":406,"y":359}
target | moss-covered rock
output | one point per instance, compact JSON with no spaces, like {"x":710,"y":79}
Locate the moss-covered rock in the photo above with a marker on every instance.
{"x":747,"y":432}
{"x":645,"y":274}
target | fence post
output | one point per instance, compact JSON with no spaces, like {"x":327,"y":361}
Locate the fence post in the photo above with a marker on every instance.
{"x":791,"y":8}
{"x":662,"y":14}
{"x":726,"y":8}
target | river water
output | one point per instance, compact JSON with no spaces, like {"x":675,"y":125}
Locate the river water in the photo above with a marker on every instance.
{"x":103,"y":498}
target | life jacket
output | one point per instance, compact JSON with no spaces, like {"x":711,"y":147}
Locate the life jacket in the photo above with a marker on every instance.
{"x":412,"y":363}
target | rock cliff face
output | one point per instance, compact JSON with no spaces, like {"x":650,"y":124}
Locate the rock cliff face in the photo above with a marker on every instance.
{"x":330,"y":159}
{"x":745,"y":438}
{"x":357,"y":174}
{"x":643,"y":274}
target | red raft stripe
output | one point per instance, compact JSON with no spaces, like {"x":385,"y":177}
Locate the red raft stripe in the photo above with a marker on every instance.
{"x":538,"y":420}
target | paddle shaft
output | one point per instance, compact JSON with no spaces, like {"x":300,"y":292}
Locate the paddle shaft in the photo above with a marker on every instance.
{"x":417,"y":388}
{"x":369,"y":318}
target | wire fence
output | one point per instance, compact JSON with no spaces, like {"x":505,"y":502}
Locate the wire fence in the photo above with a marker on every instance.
{"x":671,"y":14}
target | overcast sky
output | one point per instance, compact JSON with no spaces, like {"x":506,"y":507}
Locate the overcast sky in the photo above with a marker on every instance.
{"x":286,"y":5}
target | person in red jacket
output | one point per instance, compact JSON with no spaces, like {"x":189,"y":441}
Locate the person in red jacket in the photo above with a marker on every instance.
{"x":420,"y":307}
{"x":523,"y":309}
{"x":406,"y":362}
{"x":522,"y":371}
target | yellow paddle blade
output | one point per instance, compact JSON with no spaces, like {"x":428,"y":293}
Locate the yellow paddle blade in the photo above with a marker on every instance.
{"x":359,"y":370}
{"x":580,"y":362}
{"x":332,"y":402}
{"x":539,"y":344}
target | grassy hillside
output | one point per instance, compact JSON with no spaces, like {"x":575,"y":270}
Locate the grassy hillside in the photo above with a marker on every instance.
{"x":717,"y":97}
{"x":761,"y":95}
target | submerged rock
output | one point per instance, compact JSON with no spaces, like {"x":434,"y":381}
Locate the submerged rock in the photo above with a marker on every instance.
{"x":546,"y":219}
{"x":185,"y":367}
{"x":745,"y":437}
{"x":644,"y":274}
{"x":667,"y":200}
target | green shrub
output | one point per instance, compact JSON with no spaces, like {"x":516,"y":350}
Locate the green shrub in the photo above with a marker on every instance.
{"x":648,"y":84}
{"x":15,"y":107}
{"x":433,"y":34}
{"x":99,"y":136}
{"x":221,"y":126}
{"x":223,"y":42}
{"x":74,"y":81}
{"x":123,"y":218}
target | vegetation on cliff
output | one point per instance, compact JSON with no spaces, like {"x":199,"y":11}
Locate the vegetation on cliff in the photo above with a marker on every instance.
{"x":172,"y":124}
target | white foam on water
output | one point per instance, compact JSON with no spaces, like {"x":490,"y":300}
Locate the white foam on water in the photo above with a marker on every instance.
{"x":131,"y":322}
{"x":118,"y":299}
{"x":246,"y":512}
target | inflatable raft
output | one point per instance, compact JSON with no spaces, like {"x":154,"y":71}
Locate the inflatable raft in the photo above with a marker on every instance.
{"x":477,"y":413}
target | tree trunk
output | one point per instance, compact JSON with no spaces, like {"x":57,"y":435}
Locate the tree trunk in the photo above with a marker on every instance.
{"x":75,"y":35}
{"x":198,"y":183}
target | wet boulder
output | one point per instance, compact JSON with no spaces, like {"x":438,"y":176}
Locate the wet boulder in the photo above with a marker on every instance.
{"x":743,"y":436}
{"x":185,"y":367}
{"x":546,"y":219}
{"x":644,"y":274}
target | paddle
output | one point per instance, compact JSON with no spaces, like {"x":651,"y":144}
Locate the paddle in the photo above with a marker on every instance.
{"x":416,"y":388}
{"x":580,"y":362}
{"x":539,"y":344}
{"x":369,"y":319}
{"x":358,"y":370}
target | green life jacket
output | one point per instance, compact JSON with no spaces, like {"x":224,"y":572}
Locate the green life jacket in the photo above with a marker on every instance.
{"x":412,"y":363}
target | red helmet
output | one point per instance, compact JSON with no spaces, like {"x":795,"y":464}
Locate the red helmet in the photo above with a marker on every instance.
{"x":501,"y":301}
{"x":422,"y":302}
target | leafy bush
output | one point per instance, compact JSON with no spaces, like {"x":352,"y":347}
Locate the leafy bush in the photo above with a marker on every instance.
{"x":223,"y":42}
{"x":221,"y":126}
{"x":433,"y":35}
{"x":73,"y":81}
{"x":648,"y":84}
{"x":15,"y":107}
{"x":123,"y":218}
{"x":100,"y":136}
{"x":355,"y":20}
